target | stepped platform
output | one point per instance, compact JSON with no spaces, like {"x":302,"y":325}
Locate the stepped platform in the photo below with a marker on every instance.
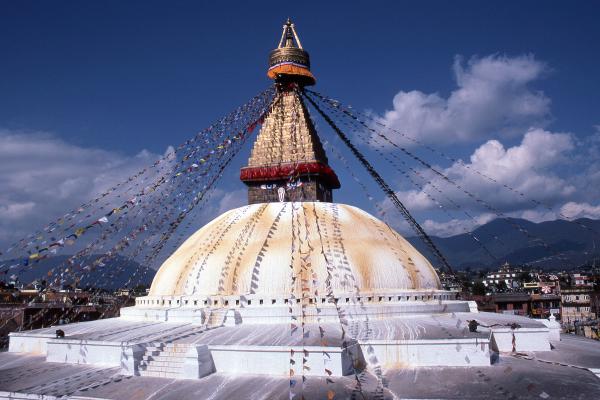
{"x":538,"y":375}
{"x":191,"y":350}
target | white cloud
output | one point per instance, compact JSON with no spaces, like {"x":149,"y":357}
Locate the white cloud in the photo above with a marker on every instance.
{"x":541,"y":167}
{"x":221,"y":201}
{"x":537,"y":215}
{"x":455,"y":226}
{"x":580,"y":210}
{"x":15,"y":211}
{"x":492,"y":97}
{"x":570,"y":211}
{"x":42,"y":177}
{"x":529,"y":168}
{"x":494,"y":105}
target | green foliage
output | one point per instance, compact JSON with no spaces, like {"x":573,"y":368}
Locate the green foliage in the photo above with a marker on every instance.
{"x":478,"y":289}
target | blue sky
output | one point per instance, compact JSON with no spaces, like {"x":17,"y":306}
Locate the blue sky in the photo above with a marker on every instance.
{"x":118,"y":82}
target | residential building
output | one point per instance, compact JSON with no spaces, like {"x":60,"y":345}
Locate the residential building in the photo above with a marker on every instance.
{"x":512,"y":303}
{"x":543,"y":305}
{"x":576,"y":303}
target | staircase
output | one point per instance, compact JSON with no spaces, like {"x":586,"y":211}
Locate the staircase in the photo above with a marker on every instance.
{"x":215,"y":317}
{"x":164,"y":360}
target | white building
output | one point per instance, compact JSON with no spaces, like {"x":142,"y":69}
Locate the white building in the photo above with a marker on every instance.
{"x":505,"y":275}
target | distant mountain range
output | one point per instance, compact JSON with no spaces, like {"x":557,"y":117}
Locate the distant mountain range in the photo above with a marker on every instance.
{"x":551,"y":244}
{"x":113,"y":275}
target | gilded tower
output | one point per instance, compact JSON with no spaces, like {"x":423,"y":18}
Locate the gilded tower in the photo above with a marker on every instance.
{"x":287,"y":162}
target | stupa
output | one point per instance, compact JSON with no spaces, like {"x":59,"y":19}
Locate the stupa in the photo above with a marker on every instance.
{"x":294,"y":288}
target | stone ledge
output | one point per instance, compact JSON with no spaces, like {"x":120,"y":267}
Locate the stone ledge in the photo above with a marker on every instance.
{"x":94,"y":352}
{"x":525,"y":339}
{"x":23,"y":342}
{"x":428,"y":352}
{"x":34,"y":396}
{"x":275,"y":360}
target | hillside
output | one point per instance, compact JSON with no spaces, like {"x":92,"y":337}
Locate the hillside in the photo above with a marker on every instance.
{"x":550,"y":244}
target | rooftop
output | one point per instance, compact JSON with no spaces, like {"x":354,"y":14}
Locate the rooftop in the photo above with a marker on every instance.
{"x":533,"y":376}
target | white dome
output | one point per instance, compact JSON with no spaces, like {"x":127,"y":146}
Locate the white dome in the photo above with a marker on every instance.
{"x":249,"y":250}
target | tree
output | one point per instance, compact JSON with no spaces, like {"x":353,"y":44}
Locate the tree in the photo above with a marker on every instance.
{"x":141,"y":288}
{"x":478,"y":289}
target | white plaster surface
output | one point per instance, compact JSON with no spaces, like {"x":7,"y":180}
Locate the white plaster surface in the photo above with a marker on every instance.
{"x":392,"y":354}
{"x":410,"y":341}
{"x":28,"y":342}
{"x":198,"y":363}
{"x":280,"y":314}
{"x":104,"y":353}
{"x":554,"y":328}
{"x":24,"y":375}
{"x":220,"y":258}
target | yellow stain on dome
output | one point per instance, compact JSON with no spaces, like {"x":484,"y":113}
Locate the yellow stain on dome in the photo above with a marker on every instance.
{"x":223,"y":257}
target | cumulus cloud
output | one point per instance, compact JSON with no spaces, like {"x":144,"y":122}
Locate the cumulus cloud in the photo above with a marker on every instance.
{"x":529,"y":167}
{"x":495,"y":106}
{"x":42,"y":177}
{"x":455,"y":226}
{"x":221,"y":201}
{"x":15,"y":211}
{"x":541,"y":166}
{"x":580,"y":210}
{"x":493,"y":97}
{"x":231,"y":200}
{"x":570,"y":210}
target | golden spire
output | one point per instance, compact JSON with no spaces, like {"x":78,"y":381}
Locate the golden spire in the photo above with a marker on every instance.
{"x":288,"y":157}
{"x":288,"y":162}
{"x":289,"y":62}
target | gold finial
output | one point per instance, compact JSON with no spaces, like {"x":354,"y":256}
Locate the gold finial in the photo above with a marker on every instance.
{"x":289,"y":60}
{"x":289,"y":35}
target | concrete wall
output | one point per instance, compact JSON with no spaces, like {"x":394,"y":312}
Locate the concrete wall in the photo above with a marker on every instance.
{"x":114,"y":354}
{"x":521,"y":339}
{"x":275,"y":360}
{"x":427,"y":353}
{"x":23,"y":342}
{"x":268,"y":313}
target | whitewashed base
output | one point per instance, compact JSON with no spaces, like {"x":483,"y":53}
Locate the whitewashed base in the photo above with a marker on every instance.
{"x":280,"y":314}
{"x":392,"y":354}
{"x":434,"y":350}
{"x":112,"y":354}
{"x":25,"y":342}
{"x":525,"y":339}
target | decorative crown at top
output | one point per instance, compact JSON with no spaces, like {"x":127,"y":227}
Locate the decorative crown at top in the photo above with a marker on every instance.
{"x":289,"y":62}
